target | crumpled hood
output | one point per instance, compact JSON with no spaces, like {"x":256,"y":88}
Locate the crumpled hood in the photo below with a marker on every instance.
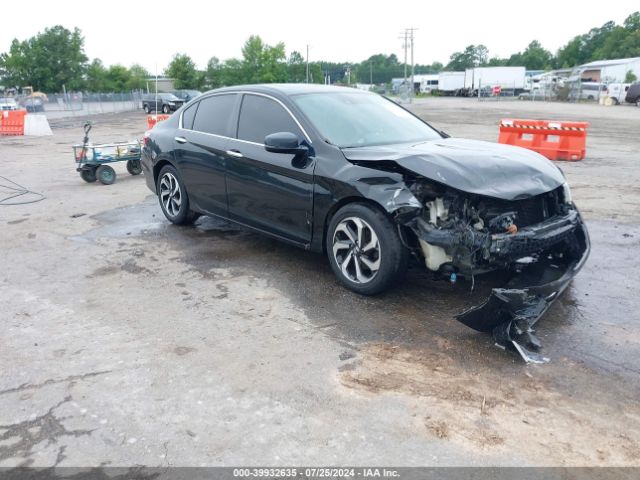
{"x":472,"y":166}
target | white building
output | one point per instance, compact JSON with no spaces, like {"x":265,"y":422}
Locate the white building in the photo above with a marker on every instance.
{"x":607,"y":71}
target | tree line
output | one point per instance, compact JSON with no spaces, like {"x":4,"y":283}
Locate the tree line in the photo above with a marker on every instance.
{"x":55,"y":58}
{"x":607,"y":42}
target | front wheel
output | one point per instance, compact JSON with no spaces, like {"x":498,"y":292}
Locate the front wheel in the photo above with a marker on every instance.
{"x":173,"y":197}
{"x":364,"y":249}
{"x":146,"y":108}
{"x":106,"y":174}
{"x":165,"y":109}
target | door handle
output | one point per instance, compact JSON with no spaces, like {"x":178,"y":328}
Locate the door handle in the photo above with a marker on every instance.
{"x":235,"y":153}
{"x":180,"y":139}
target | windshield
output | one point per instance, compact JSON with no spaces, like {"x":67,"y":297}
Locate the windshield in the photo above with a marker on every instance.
{"x":361,"y":120}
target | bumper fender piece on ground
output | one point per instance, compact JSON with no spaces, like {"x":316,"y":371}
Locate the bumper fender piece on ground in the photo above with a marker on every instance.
{"x":510,"y":312}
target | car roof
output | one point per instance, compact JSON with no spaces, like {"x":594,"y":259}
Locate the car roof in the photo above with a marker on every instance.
{"x":290,"y":88}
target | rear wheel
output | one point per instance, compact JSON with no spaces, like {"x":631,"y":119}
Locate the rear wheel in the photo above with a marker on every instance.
{"x":134,"y":167}
{"x":173,"y":197}
{"x":88,"y":174}
{"x":364,"y":249}
{"x":106,"y":174}
{"x":147,"y":110}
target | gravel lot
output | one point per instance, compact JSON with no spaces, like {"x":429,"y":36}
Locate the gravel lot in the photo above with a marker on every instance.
{"x":128,"y":341}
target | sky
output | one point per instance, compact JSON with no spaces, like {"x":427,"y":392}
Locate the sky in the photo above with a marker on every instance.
{"x":150,"y":33}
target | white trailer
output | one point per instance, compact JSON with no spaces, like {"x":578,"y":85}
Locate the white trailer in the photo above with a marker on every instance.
{"x":451,"y":83}
{"x":425,"y":83}
{"x":509,"y":79}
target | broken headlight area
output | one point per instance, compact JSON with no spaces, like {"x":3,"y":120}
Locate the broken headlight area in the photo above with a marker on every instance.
{"x":541,"y":240}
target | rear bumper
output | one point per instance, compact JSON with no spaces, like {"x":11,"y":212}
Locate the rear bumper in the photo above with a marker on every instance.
{"x":147,"y":168}
{"x":510,"y":312}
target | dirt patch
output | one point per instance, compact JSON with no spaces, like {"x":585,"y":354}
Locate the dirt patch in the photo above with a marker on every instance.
{"x":181,"y":351}
{"x":439,"y":428}
{"x":130,"y":266}
{"x":478,"y":409}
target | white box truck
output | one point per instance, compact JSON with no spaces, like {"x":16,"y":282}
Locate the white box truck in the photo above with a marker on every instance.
{"x":509,"y":79}
{"x":450,"y":83}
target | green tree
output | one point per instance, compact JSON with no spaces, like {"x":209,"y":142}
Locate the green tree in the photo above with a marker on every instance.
{"x":603,"y":43}
{"x":214,"y":73}
{"x":46,"y":61}
{"x":117,"y":78}
{"x":535,"y":57}
{"x":183,"y":72}
{"x":472,"y":56}
{"x":296,"y":68}
{"x":498,"y":62}
{"x":630,"y":77}
{"x":138,"y":77}
{"x":96,"y":76}
{"x":632,"y":22}
{"x":263,"y":63}
{"x":233,"y":72}
{"x":571,"y":54}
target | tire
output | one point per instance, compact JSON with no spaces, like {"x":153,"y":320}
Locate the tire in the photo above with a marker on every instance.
{"x":146,"y":108}
{"x":174,"y":202}
{"x":364,"y":249}
{"x":106,"y":174}
{"x":88,"y":174}
{"x":134,"y":167}
{"x":165,"y":109}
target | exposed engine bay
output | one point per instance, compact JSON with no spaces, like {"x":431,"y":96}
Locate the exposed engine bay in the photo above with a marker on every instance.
{"x":539,"y":239}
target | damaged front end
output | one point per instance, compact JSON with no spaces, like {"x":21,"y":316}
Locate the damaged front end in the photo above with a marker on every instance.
{"x":541,"y":240}
{"x":470,"y":207}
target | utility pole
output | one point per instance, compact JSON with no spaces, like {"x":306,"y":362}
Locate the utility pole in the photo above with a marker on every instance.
{"x":406,"y":32}
{"x":307,"y":63}
{"x":408,"y":43}
{"x":412,"y":63}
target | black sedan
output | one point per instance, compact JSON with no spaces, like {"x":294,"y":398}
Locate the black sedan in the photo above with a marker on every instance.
{"x":356,"y":176}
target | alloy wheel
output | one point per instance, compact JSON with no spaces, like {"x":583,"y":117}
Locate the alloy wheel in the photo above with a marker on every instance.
{"x":170,"y":194}
{"x":356,"y":250}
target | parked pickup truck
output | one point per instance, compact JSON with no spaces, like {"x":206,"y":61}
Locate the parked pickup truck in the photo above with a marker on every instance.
{"x":167,"y":102}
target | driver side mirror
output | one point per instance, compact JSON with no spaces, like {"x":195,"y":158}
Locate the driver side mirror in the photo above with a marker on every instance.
{"x":284,"y":142}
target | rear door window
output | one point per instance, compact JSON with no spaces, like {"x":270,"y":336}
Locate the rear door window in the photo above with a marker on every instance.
{"x":188,"y":116}
{"x":214,"y":114}
{"x":262,"y":116}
